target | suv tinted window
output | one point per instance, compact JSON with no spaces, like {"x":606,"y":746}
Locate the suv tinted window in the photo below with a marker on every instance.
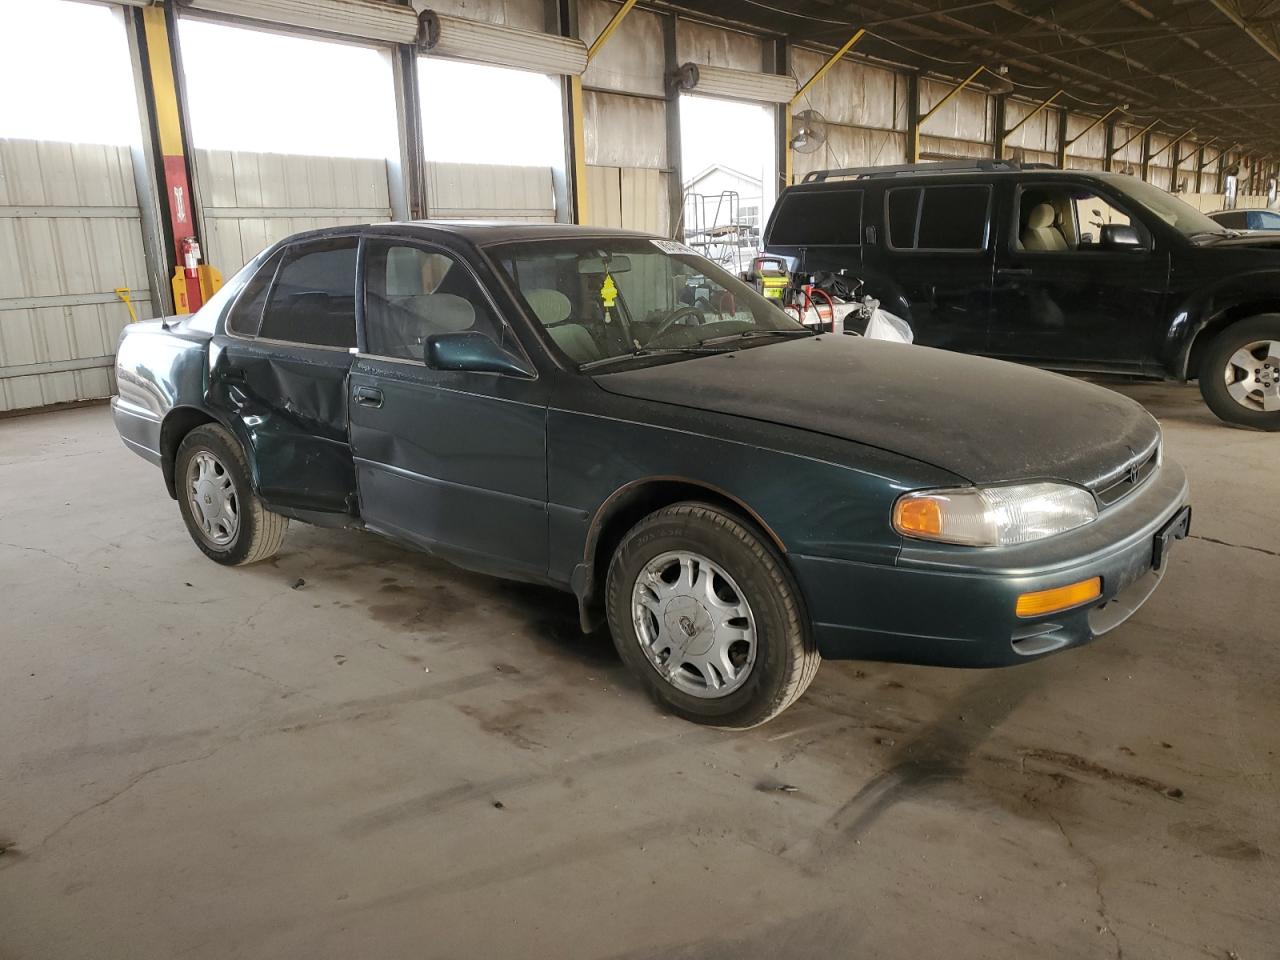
{"x":313,"y":300}
{"x":938,"y":217}
{"x":1236,"y":220}
{"x":414,"y":292}
{"x":246,"y":315}
{"x":817,"y":218}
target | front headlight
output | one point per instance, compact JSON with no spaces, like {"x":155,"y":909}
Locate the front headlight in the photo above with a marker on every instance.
{"x":994,"y":516}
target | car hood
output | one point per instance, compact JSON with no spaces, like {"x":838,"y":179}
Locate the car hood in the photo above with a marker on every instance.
{"x":984,"y":420}
{"x":1259,"y":239}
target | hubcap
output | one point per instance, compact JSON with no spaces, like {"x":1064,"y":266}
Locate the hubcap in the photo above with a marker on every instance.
{"x":1252,"y":375}
{"x":694,"y":624}
{"x":213,"y":499}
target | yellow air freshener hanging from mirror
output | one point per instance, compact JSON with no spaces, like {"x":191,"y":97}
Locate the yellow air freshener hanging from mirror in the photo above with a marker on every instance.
{"x":608,"y":296}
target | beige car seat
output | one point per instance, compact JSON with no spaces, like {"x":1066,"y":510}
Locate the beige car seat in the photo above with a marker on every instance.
{"x":1042,"y":231}
{"x":552,"y":309}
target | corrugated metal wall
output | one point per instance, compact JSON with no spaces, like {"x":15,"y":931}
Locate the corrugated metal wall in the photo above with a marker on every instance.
{"x":459,"y":191}
{"x":250,"y":200}
{"x":70,"y":235}
{"x":866,"y":112}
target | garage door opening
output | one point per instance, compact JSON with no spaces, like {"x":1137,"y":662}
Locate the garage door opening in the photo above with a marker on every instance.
{"x":727,"y":158}
{"x":491,"y":153}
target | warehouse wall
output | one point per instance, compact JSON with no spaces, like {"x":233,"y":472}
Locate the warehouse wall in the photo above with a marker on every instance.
{"x":248,"y":201}
{"x":70,"y":235}
{"x":625,"y":121}
{"x":865,"y":108}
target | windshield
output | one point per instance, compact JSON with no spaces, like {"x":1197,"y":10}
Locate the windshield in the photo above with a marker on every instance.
{"x":1183,"y":217}
{"x":602,"y":298}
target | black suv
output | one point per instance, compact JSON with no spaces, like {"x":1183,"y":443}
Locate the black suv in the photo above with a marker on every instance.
{"x":1070,"y":269}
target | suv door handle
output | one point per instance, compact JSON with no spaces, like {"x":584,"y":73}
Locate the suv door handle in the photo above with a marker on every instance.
{"x":1014,"y":271}
{"x":368,"y":396}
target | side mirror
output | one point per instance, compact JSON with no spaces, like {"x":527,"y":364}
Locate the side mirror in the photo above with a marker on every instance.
{"x":471,"y":351}
{"x":1121,"y":236}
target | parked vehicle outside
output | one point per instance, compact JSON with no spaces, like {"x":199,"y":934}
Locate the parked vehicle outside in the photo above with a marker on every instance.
{"x":1252,"y":219}
{"x":1067,"y":269}
{"x":613,"y":415}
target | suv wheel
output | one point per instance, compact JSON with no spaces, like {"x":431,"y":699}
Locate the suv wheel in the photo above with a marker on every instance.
{"x":1240,"y":373}
{"x":706,"y":614}
{"x":223,"y":515}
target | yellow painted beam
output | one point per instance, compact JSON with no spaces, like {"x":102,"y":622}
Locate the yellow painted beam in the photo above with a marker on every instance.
{"x":1176,"y":140}
{"x":831,"y":61}
{"x":164,"y":87}
{"x":1135,"y":136}
{"x":1101,"y":119}
{"x":915,"y":138}
{"x":1004,"y":137}
{"x":609,"y":27}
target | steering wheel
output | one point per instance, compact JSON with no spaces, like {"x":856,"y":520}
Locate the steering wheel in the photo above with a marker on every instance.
{"x":673,"y":316}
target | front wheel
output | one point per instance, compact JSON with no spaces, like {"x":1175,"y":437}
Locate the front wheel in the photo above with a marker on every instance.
{"x":705,"y":613}
{"x":1240,"y":373}
{"x":223,"y":515}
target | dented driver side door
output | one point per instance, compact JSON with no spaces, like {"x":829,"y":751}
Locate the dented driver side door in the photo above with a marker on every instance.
{"x":280,"y":368}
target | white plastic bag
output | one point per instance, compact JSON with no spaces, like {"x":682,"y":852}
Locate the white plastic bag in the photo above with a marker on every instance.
{"x":885,"y":326}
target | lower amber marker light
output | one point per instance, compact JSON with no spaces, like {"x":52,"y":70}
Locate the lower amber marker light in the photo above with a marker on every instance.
{"x":1040,"y":602}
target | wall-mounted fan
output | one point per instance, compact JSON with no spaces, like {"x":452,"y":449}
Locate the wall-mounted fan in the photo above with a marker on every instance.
{"x":808,"y":131}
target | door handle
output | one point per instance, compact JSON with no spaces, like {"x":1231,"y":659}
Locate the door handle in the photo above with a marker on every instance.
{"x":368,"y":396}
{"x":1014,"y":271}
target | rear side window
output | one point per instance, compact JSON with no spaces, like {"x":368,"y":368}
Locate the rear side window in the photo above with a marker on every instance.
{"x":246,"y":315}
{"x":938,"y":217}
{"x":313,"y":300}
{"x":818,"y":218}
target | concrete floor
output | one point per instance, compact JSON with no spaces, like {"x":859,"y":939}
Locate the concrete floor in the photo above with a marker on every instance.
{"x":397,"y":759}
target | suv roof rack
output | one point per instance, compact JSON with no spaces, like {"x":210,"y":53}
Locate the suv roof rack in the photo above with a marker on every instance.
{"x":944,"y":166}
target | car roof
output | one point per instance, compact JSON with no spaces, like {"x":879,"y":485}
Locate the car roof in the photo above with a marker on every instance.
{"x":960,"y":176}
{"x":479,"y":232}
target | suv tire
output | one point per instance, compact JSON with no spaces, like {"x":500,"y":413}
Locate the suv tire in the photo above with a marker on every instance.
{"x":1240,"y":372}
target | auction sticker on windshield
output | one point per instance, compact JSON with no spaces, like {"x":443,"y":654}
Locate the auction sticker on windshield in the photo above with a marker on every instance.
{"x":672,"y":247}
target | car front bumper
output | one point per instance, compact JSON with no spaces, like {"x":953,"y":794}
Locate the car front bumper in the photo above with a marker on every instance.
{"x":955,"y":606}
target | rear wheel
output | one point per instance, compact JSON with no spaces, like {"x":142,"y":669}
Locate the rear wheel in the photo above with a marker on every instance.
{"x":223,"y":515}
{"x":706,"y":614}
{"x":1240,"y":373}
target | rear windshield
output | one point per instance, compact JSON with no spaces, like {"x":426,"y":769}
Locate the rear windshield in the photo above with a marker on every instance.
{"x":817,"y":218}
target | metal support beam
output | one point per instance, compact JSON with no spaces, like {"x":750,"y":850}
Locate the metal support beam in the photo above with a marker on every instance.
{"x":913,"y":116}
{"x":1102,"y":119}
{"x":788,"y":166}
{"x":1146,"y":154}
{"x":779,"y":51}
{"x":408,"y":179}
{"x":1109,"y":147}
{"x":671,"y":112}
{"x":570,"y":182}
{"x":614,"y":22}
{"x":1063,"y":116}
{"x":915,"y":139}
{"x":1111,"y":152}
{"x":166,"y":123}
{"x":1173,"y":143}
{"x":1003,"y":138}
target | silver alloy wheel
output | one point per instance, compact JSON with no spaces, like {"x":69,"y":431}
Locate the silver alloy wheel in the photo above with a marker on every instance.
{"x":214,"y":505}
{"x":694,"y":624}
{"x":1252,"y":376}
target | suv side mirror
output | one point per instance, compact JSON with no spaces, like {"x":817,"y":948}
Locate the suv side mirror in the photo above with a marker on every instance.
{"x":1121,"y":236}
{"x":471,"y":351}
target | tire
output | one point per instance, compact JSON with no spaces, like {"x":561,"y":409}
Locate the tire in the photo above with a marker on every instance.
{"x":211,"y":464}
{"x":1240,"y":400}
{"x":761,"y":676}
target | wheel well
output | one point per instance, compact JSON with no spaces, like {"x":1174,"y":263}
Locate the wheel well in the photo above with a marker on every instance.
{"x":627,"y":507}
{"x":1219,"y":323}
{"x":177,"y":424}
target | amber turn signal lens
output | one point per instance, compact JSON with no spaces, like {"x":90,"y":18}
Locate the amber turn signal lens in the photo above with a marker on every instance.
{"x":920,"y":516}
{"x":1040,"y":602}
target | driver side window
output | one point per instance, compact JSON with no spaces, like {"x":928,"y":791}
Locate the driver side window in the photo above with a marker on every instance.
{"x":1066,"y":219}
{"x":413,"y":292}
